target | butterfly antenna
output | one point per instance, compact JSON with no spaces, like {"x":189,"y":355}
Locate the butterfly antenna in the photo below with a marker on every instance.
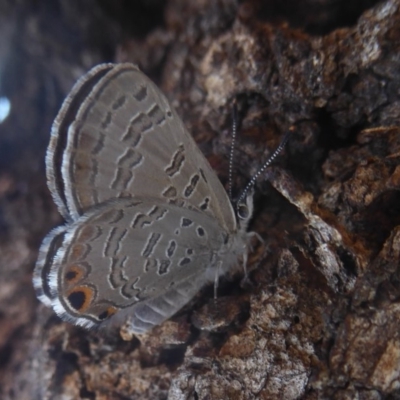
{"x":266,"y":164}
{"x":233,"y":144}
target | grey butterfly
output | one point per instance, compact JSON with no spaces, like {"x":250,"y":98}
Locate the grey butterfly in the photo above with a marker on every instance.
{"x":148,"y":221}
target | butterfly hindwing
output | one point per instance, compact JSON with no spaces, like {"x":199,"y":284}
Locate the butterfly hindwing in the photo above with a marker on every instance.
{"x":127,"y":254}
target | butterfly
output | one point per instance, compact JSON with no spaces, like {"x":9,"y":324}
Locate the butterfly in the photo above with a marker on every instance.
{"x":148,"y":223}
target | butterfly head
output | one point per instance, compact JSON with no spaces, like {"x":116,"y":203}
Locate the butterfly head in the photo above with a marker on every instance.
{"x":244,"y":210}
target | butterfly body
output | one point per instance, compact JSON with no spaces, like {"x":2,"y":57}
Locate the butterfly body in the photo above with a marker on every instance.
{"x":148,"y":221}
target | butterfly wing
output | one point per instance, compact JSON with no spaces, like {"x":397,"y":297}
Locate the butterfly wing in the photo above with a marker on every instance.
{"x":128,"y":257}
{"x":117,"y":136}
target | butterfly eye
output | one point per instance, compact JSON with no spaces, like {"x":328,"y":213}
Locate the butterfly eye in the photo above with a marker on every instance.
{"x":243,"y":211}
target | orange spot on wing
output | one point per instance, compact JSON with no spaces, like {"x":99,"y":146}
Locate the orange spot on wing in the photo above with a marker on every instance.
{"x":107,"y":313}
{"x":80,"y":298}
{"x":73,"y":274}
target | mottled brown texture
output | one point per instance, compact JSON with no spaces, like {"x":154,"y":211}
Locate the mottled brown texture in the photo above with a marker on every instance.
{"x":319,"y":316}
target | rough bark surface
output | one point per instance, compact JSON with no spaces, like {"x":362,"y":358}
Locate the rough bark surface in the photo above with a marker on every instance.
{"x":319,"y":317}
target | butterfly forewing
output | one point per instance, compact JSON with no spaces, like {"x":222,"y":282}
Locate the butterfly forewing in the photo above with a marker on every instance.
{"x":126,"y":140}
{"x":59,"y":134}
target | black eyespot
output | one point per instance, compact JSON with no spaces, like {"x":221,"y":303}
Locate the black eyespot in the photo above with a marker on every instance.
{"x":77,"y":299}
{"x":70,"y":275}
{"x":104,"y":315}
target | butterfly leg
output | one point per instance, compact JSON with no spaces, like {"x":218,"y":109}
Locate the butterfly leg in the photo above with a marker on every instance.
{"x":245,"y":259}
{"x":216,"y":279}
{"x":250,"y":236}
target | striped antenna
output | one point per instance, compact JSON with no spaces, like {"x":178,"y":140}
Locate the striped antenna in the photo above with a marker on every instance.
{"x":266,"y":164}
{"x":233,"y":144}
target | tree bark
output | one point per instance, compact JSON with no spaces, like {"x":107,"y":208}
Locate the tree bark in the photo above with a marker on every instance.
{"x":318,"y":316}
